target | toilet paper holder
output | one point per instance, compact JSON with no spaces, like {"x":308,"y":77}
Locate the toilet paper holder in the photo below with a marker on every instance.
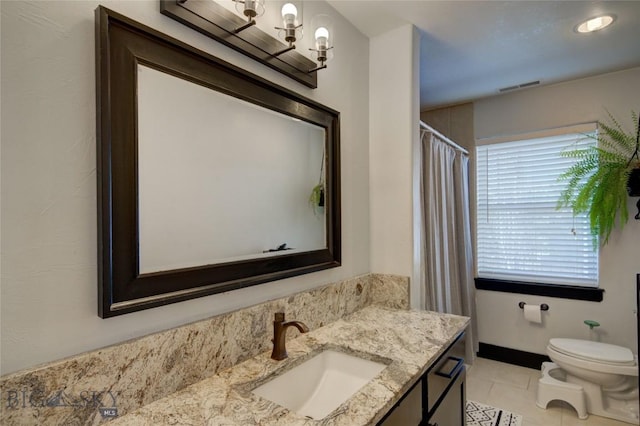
{"x":543,"y":307}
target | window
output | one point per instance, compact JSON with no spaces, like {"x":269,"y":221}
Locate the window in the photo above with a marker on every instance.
{"x":520,"y":234}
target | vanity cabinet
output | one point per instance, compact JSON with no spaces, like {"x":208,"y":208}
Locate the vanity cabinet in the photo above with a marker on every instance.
{"x":437,"y":399}
{"x":445,"y":389}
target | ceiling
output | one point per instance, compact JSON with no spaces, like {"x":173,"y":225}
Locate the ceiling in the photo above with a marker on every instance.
{"x":471,"y":49}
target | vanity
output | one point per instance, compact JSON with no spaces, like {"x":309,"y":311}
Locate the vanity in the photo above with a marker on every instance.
{"x":412,"y":345}
{"x":206,"y":372}
{"x":438,"y":398}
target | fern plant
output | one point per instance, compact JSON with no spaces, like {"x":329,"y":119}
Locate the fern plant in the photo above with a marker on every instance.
{"x":597,"y":183}
{"x":316,"y":199}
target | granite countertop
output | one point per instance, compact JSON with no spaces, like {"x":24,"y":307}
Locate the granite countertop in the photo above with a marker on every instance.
{"x":407,"y":341}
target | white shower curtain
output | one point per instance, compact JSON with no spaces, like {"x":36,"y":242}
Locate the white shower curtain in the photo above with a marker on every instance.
{"x":446,"y":244}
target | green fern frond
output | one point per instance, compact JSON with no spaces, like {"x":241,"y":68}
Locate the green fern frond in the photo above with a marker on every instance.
{"x":617,"y":140}
{"x":596,"y":183}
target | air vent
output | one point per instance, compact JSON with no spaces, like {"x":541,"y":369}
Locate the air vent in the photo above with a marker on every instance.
{"x":519,"y":86}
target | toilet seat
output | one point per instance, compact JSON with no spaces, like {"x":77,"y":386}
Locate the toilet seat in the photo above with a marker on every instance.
{"x":598,"y":352}
{"x":565,"y":360}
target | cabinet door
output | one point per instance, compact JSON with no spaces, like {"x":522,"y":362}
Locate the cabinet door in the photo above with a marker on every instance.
{"x":409,"y":412}
{"x":451,"y":410}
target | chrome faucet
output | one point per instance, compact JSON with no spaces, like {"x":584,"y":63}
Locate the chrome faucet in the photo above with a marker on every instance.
{"x":279,"y":335}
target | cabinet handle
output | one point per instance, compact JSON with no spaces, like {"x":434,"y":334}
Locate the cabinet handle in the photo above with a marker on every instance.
{"x":459,"y":364}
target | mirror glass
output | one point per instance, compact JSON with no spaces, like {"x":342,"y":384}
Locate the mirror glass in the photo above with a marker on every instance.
{"x":223,"y":180}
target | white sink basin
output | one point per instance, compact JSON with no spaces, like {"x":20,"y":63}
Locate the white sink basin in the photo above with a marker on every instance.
{"x":319,"y":385}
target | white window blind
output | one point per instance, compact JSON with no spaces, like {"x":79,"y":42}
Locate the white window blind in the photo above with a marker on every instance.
{"x":520,"y":234}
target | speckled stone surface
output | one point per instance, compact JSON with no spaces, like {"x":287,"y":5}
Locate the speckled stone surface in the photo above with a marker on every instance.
{"x":407,"y":341}
{"x":80,"y":390}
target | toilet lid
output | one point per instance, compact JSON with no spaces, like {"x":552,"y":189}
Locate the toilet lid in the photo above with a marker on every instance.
{"x":593,"y":351}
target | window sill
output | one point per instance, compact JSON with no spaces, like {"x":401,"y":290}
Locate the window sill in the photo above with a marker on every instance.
{"x":539,"y":289}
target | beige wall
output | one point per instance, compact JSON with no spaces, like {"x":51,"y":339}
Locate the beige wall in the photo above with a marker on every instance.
{"x":455,"y":122}
{"x":49,"y":237}
{"x":500,"y":320}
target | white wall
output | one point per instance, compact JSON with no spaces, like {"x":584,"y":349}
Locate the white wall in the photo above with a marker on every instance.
{"x":49,"y":262}
{"x":394,"y":115}
{"x":500,"y":320}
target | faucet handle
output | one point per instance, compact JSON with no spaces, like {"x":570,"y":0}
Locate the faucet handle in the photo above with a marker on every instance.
{"x":279,"y":317}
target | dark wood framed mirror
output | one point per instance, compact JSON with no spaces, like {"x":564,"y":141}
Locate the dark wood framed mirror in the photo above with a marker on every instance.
{"x":155,"y":92}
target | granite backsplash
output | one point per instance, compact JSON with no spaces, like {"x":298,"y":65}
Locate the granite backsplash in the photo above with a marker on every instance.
{"x":92,"y":387}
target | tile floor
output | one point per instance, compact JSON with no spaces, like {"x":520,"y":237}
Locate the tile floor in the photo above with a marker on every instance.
{"x":513,"y":388}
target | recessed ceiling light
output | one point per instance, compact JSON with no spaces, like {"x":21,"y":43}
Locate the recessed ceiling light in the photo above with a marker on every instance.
{"x":595,"y":24}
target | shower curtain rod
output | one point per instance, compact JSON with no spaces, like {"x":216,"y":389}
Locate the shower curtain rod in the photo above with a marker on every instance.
{"x":425,"y":126}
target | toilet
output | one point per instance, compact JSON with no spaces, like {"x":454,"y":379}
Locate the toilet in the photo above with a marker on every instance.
{"x":593,"y":377}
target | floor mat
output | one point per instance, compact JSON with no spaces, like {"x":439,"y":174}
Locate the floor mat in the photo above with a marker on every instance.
{"x":485,"y":415}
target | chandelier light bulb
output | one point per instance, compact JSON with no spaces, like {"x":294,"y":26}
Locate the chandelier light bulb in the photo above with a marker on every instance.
{"x":322,"y":36}
{"x":289,"y":13}
{"x":292,"y":25}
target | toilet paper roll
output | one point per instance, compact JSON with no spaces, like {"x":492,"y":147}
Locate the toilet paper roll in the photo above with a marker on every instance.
{"x":533,"y":313}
